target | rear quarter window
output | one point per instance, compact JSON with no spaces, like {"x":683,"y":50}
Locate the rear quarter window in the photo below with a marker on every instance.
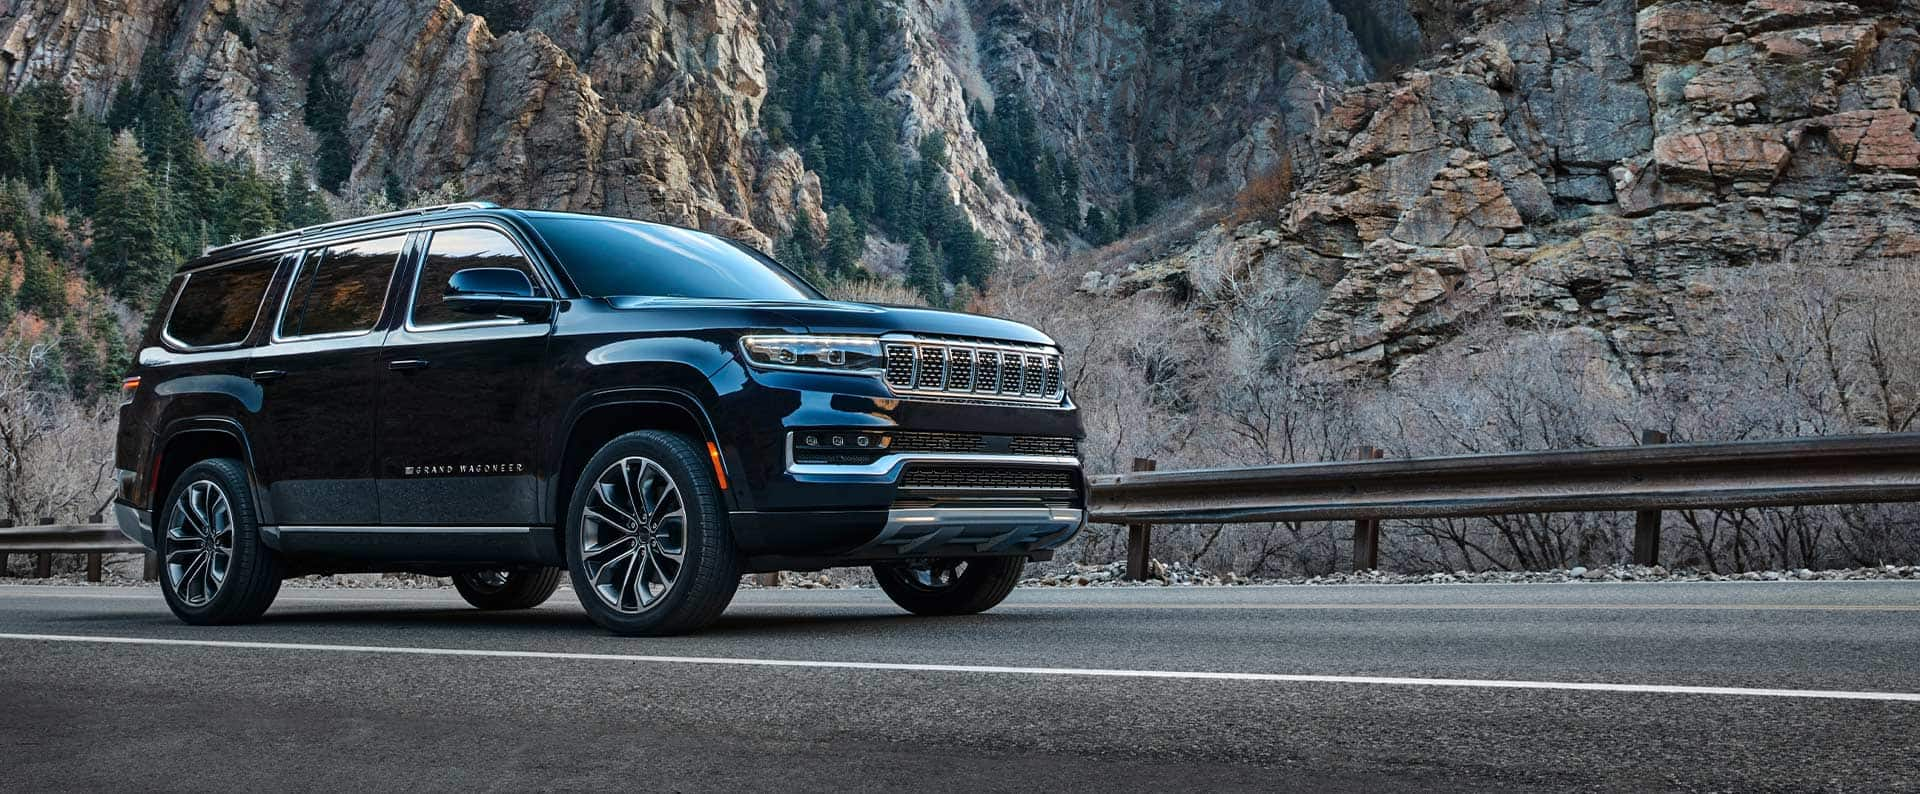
{"x":340,"y":289}
{"x":218,"y":306}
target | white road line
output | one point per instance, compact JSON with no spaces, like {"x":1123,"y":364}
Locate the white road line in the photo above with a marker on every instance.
{"x":1195,"y":675}
{"x":449,"y":598}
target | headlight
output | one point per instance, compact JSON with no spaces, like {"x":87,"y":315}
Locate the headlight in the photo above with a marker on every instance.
{"x":848,"y":354}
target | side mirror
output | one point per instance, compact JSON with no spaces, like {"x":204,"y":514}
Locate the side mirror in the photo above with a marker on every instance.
{"x":496,"y":291}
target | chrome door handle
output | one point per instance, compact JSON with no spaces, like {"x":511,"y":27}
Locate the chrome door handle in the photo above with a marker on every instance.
{"x":262,"y":376}
{"x":407,"y":364}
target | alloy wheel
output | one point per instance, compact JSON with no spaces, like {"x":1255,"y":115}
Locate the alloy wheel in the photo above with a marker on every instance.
{"x":633,"y":534}
{"x":199,"y":542}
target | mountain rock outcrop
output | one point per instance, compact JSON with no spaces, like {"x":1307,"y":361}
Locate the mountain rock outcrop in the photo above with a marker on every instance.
{"x":1593,"y":164}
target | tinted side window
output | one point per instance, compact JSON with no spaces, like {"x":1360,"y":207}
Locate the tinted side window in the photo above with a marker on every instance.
{"x":341,"y":288}
{"x":217,"y":307}
{"x":454,"y":250}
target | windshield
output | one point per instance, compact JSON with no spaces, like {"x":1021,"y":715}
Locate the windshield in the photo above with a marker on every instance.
{"x":607,"y":258}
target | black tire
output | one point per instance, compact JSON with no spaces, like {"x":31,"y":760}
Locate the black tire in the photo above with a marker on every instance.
{"x":521,"y":588}
{"x":979,"y":586}
{"x":708,"y":572}
{"x":252,"y":570}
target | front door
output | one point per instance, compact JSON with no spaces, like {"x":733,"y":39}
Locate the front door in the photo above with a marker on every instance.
{"x":320,"y":381}
{"x":460,"y":413}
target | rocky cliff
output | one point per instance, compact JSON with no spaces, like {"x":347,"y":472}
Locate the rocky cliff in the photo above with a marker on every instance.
{"x":1594,"y":165}
{"x":1532,"y":164}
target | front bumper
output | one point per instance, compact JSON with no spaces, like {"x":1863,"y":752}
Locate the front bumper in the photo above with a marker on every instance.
{"x":810,"y":540}
{"x":792,"y":511}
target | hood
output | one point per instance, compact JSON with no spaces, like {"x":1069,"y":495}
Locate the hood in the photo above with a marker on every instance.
{"x":863,"y":319}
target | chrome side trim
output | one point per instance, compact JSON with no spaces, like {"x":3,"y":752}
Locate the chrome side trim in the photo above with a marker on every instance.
{"x":325,"y":529}
{"x":889,"y":465}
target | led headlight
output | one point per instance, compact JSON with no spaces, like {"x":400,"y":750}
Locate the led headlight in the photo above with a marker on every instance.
{"x":849,"y":354}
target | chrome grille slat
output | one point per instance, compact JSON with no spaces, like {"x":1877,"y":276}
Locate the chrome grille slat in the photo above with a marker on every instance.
{"x":976,"y":370}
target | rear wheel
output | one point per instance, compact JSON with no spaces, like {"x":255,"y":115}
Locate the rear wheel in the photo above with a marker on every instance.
{"x":647,"y":542}
{"x":523,"y":588}
{"x":215,"y":569}
{"x":949,"y":587}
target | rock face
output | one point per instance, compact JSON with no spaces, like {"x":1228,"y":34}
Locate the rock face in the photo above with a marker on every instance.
{"x":656,"y":118}
{"x":1212,"y":93}
{"x":1583,"y":164}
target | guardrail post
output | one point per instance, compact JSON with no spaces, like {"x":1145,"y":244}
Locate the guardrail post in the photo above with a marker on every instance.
{"x":1646,"y":523}
{"x":1366,"y":531}
{"x":43,"y":561}
{"x":93,"y":557}
{"x":1139,"y":536}
{"x":6,"y":560}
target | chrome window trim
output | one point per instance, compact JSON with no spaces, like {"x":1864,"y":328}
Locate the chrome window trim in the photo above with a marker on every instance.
{"x":420,"y":269}
{"x":166,"y":326}
{"x":293,"y":280}
{"x":889,"y":465}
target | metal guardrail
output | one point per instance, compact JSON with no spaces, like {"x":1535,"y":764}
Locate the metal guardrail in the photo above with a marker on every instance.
{"x":48,"y":538}
{"x":1645,"y":479}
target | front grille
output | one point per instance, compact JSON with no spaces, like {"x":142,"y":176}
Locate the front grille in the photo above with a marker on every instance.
{"x":974,"y":370}
{"x":996,"y":478}
{"x":936,"y":442}
{"x":1043,"y":445}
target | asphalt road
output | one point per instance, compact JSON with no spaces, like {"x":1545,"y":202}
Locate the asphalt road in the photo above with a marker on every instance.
{"x":1783,"y":686}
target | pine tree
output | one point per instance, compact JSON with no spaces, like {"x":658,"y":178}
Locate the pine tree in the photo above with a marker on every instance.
{"x":1099,"y":231}
{"x":52,"y":200}
{"x":299,"y":204}
{"x":395,"y":192}
{"x":124,"y":106}
{"x":970,"y":257}
{"x":42,"y":291}
{"x":845,"y":241}
{"x":245,"y":204}
{"x":923,"y":274}
{"x":130,"y":255}
{"x":85,"y":376}
{"x":800,"y":251}
{"x":87,"y":144}
{"x":326,"y":115}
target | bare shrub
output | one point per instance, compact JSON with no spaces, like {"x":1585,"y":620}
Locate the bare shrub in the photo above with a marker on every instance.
{"x":873,"y":290}
{"x":1264,"y":195}
{"x":55,"y":453}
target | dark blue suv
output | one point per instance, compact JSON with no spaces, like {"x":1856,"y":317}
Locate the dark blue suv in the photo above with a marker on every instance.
{"x":502,"y":395}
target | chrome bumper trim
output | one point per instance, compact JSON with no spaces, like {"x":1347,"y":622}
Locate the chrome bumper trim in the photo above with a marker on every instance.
{"x":980,"y":530}
{"x":889,"y":465}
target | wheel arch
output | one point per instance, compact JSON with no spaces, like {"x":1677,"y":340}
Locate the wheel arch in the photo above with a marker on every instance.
{"x":185,"y":442}
{"x":608,"y":416}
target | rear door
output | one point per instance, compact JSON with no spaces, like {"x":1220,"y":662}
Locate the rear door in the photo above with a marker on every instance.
{"x":460,"y":415}
{"x":320,"y":380}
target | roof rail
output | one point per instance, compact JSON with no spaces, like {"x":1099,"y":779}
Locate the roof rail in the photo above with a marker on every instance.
{"x":320,"y":227}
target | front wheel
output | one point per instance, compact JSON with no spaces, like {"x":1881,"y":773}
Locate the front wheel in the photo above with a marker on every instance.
{"x":516,"y":589}
{"x":647,"y":541}
{"x":949,"y":587}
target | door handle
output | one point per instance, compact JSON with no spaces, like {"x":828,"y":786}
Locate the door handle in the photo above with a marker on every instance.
{"x":407,"y":364}
{"x":262,"y":376}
